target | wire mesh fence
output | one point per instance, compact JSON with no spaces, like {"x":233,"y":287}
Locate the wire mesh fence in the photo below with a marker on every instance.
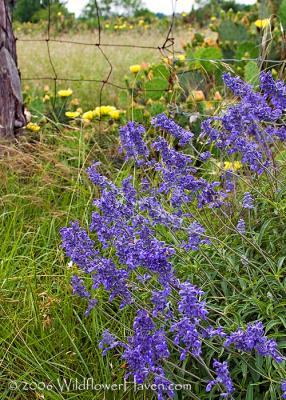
{"x":166,"y":47}
{"x":100,"y":45}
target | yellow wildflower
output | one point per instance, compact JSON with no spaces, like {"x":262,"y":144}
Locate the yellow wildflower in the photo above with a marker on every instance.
{"x":33,"y":127}
{"x":262,"y":23}
{"x":107,"y":26}
{"x":141,"y":22}
{"x":234,"y":166}
{"x":114,"y":114}
{"x":88,"y":115}
{"x":65,"y":93}
{"x":103,"y":110}
{"x":135,"y":68}
{"x":208,"y":105}
{"x":181,"y":57}
{"x":46,"y":88}
{"x":72,"y":114}
{"x":96,"y":112}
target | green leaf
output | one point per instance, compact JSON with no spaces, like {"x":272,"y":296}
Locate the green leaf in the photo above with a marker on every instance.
{"x":206,"y":55}
{"x":161,"y":71}
{"x":249,"y":49}
{"x":249,"y":393}
{"x":232,"y":32}
{"x":251,"y":73}
{"x":156,"y":88}
{"x":282,"y":13}
{"x":157,"y":108}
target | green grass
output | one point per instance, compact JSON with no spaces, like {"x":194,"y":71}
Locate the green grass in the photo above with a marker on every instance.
{"x":44,"y":335}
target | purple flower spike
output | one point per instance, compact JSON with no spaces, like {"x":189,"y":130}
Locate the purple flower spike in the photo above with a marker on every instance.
{"x":253,"y":338}
{"x":241,"y":228}
{"x":223,"y":378}
{"x":166,"y":124}
{"x":131,"y":136}
{"x":247,"y":201}
{"x":283,"y":388}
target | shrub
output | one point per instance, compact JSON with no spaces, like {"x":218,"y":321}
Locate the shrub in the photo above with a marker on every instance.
{"x":180,"y":245}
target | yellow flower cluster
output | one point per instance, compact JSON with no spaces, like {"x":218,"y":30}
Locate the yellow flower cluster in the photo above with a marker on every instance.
{"x":181,"y":57}
{"x":88,"y":115}
{"x":65,"y":93}
{"x":33,"y":127}
{"x":234,"y":166}
{"x":262,"y":23}
{"x":46,"y":98}
{"x":108,"y":111}
{"x":135,"y":68}
{"x":72,"y":114}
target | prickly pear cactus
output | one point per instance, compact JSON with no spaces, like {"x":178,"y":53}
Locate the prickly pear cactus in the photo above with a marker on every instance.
{"x":232,"y":32}
{"x":282,"y":13}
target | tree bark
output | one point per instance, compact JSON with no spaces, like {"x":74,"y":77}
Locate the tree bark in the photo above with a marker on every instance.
{"x":12,"y":117}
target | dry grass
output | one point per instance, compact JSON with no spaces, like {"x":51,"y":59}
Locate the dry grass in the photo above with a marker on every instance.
{"x":84,"y":62}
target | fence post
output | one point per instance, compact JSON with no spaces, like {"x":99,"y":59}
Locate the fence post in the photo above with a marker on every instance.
{"x":12,"y":117}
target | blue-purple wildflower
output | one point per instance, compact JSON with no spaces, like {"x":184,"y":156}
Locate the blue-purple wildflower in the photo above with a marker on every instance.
{"x":247,"y":201}
{"x":242,"y":129}
{"x":166,"y":124}
{"x":241,"y":227}
{"x":222,"y":378}
{"x":127,"y":252}
{"x":131,"y":136}
{"x":283,"y":388}
{"x":253,"y":338}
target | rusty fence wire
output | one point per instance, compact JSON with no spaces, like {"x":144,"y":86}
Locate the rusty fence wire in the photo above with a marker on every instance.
{"x":164,"y":49}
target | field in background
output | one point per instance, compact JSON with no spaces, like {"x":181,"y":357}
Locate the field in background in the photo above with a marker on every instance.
{"x":72,"y":61}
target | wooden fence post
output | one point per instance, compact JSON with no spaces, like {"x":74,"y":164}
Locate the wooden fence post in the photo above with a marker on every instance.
{"x":12,"y":117}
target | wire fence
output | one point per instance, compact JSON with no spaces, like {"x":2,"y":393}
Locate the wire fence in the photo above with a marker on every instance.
{"x":164,"y":49}
{"x":167,"y":46}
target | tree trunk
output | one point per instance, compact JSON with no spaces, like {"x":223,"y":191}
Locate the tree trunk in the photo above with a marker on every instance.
{"x":12,"y":117}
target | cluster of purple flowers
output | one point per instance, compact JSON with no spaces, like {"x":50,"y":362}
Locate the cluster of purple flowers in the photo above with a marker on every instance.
{"x":253,"y":338}
{"x":222,"y":378}
{"x":283,"y":389}
{"x":177,"y":179}
{"x":197,"y":236}
{"x":131,"y":137}
{"x":249,"y":127}
{"x":163,"y":122}
{"x":144,"y":353}
{"x":241,"y":228}
{"x":192,"y":312}
{"x":247,"y":201}
{"x":128,"y":249}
